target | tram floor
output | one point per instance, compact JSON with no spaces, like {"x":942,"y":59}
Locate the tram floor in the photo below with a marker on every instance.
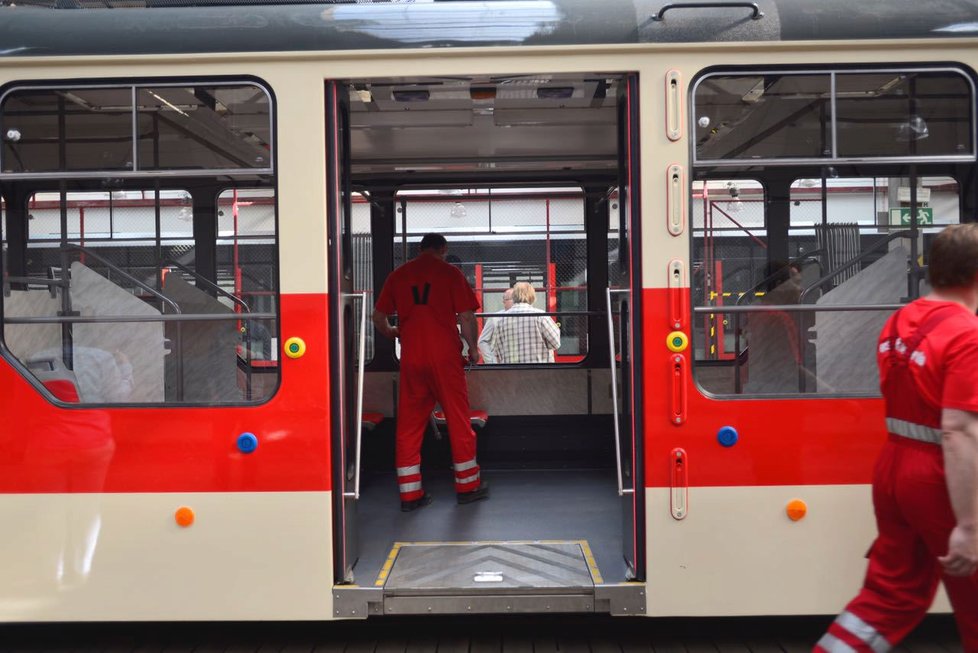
{"x":524,"y":505}
{"x":460,"y":634}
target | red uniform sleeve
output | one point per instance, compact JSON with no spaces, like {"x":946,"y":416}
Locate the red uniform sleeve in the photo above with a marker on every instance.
{"x":463,"y":298}
{"x":961,"y":371}
{"x":385,"y":302}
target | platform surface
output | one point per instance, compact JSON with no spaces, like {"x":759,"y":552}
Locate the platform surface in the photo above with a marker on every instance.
{"x":459,"y":634}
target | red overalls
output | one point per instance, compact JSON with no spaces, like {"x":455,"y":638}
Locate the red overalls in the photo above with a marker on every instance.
{"x":921,"y":342}
{"x":427,"y":294}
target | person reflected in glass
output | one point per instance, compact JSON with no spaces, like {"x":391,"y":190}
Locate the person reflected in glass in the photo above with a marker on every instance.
{"x":531,"y":339}
{"x":775,"y":350}
{"x":485,"y":338}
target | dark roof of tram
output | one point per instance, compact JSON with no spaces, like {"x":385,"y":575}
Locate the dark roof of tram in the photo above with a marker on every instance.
{"x":130,"y":27}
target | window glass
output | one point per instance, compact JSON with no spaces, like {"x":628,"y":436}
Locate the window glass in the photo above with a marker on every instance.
{"x":904,"y":114}
{"x":93,"y":124}
{"x":246,"y":273}
{"x":193,"y":127}
{"x":500,"y":237}
{"x":123,"y":263}
{"x":847,"y":243}
{"x":117,"y":292}
{"x":762,"y":116}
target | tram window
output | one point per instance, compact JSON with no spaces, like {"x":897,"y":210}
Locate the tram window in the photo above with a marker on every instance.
{"x":904,"y":114}
{"x":203,"y":127}
{"x":762,"y":116}
{"x":846,"y":244}
{"x":499,"y":237}
{"x":834,"y":115}
{"x":93,"y":124}
{"x":124,"y":263}
{"x":208,"y":127}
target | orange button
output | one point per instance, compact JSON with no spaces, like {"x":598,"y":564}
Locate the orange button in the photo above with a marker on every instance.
{"x":796,"y":509}
{"x":184,"y":516}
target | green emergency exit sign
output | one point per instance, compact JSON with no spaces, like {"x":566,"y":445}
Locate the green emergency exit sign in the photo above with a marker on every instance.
{"x":902,"y":216}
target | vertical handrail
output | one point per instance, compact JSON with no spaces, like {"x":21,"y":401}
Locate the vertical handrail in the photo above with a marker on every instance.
{"x":360,"y":382}
{"x":614,"y":390}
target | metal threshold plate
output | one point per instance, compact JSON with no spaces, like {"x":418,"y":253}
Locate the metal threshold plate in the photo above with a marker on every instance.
{"x":491,"y":568}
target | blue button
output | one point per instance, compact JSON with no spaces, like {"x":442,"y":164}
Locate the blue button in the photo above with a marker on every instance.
{"x":727,"y":436}
{"x":247,"y":442}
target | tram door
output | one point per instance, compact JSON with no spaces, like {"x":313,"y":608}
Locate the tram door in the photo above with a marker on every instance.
{"x":623,"y":301}
{"x":346,"y":316}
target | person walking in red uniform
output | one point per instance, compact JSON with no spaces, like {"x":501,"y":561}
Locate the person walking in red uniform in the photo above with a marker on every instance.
{"x":427,"y":294}
{"x":925,"y":485}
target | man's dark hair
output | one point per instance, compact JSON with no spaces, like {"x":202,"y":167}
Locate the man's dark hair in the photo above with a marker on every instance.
{"x":953,"y":258}
{"x":432,"y":241}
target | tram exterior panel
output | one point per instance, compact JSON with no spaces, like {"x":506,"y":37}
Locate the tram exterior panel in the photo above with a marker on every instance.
{"x":103,"y":545}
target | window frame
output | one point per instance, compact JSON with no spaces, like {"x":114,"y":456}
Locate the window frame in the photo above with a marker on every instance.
{"x":134,"y":87}
{"x":241,"y":177}
{"x":831,"y":71}
{"x":921,"y":166}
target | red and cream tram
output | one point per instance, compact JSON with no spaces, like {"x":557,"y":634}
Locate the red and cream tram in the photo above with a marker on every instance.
{"x":718,"y":202}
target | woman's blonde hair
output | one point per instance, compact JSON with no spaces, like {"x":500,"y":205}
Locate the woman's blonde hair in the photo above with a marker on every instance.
{"x":523,"y":293}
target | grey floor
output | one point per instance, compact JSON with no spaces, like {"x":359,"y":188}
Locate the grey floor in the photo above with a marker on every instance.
{"x":524,"y":505}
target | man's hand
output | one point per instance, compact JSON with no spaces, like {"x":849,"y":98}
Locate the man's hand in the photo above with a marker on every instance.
{"x":474,"y":357}
{"x":962,"y":552}
{"x":384,"y":326}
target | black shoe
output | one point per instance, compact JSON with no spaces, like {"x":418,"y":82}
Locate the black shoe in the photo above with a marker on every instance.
{"x":408,"y":506}
{"x":481,"y":492}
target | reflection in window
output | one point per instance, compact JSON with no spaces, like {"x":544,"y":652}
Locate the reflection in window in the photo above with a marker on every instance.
{"x":762,"y":116}
{"x":500,"y":237}
{"x":209,"y":127}
{"x":833,"y":115}
{"x":849,"y":241}
{"x":904,"y":114}
{"x":93,"y":124}
{"x":125,"y":267}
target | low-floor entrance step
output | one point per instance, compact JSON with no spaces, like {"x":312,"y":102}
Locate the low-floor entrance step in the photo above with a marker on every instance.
{"x":489,"y":578}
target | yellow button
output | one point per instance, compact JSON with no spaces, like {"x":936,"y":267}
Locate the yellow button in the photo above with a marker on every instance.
{"x":677,"y":341}
{"x":295,"y":347}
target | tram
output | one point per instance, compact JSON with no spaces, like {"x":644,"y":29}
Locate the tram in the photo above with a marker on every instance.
{"x":719,"y":202}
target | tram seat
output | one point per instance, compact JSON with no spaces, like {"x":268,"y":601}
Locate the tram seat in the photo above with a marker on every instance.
{"x":370,"y":421}
{"x":478,"y":418}
{"x":55,"y":377}
{"x":63,"y":389}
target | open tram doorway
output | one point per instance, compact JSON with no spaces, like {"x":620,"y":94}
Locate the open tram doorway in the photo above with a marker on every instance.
{"x":529,"y":178}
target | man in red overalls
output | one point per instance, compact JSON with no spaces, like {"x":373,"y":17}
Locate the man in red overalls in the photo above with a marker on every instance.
{"x":427,"y":294}
{"x":925,"y":486}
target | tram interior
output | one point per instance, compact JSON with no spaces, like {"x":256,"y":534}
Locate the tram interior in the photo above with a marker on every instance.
{"x":522,"y":175}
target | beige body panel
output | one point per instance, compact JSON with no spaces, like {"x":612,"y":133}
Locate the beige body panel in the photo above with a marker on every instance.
{"x":122,"y":557}
{"x":737,"y":552}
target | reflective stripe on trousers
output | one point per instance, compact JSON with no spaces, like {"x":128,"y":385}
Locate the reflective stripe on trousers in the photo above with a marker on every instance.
{"x":868,"y":636}
{"x":461,"y":467}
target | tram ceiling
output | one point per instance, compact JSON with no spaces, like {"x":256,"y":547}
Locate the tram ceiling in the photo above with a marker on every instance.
{"x":488,"y":125}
